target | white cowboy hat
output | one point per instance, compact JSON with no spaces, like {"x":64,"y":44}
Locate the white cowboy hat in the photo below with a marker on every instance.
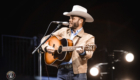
{"x":80,"y":11}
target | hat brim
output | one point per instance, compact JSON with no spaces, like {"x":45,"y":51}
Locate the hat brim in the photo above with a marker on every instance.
{"x":88,"y":17}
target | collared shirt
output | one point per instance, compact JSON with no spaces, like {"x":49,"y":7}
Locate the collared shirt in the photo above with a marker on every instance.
{"x":71,"y":38}
{"x":74,"y":34}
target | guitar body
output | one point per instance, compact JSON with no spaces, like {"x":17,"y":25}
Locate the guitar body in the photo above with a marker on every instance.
{"x":56,"y":58}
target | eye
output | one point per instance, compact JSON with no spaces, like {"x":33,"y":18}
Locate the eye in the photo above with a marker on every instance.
{"x":73,"y":18}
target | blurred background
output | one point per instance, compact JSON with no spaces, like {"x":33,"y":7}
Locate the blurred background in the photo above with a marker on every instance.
{"x":24,"y":22}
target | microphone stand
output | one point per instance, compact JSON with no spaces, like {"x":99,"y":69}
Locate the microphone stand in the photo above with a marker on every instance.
{"x":38,"y":48}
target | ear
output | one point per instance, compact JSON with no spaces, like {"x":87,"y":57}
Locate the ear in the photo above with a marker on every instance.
{"x":81,"y":21}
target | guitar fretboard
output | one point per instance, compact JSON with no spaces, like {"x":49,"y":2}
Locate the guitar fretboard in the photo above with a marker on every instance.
{"x":72,"y":48}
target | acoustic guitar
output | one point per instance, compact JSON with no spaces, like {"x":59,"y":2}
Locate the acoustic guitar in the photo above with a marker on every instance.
{"x":63,"y":50}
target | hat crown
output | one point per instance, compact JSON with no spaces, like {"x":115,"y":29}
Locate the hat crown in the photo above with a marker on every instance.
{"x":79,"y":8}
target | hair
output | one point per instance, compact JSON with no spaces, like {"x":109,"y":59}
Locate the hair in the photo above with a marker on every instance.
{"x":83,"y":20}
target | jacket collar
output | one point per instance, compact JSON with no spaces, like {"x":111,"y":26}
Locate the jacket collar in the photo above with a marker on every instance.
{"x":80,"y":34}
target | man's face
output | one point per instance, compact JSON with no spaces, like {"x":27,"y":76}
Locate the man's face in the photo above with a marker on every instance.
{"x":74,"y":22}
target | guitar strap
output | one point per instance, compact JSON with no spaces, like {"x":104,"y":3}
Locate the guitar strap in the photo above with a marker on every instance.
{"x":77,"y":40}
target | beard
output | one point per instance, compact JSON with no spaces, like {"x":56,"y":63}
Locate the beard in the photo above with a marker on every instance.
{"x":75,"y":25}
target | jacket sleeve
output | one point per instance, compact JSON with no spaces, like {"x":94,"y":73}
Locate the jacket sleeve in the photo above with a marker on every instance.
{"x":45,"y":44}
{"x":89,"y":54}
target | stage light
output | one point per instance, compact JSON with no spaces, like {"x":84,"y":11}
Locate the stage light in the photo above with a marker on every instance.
{"x":129,"y":57}
{"x":94,"y":71}
{"x":97,"y":69}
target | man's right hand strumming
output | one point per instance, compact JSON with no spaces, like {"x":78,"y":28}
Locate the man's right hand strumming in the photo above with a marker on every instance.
{"x":49,"y":49}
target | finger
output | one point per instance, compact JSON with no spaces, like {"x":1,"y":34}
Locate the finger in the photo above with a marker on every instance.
{"x":50,"y":51}
{"x":50,"y":48}
{"x":78,"y":48}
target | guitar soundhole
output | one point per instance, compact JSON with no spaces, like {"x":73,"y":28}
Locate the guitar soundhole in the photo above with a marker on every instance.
{"x":64,"y":42}
{"x":60,"y":50}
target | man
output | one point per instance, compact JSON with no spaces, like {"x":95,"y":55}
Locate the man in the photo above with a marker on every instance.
{"x":78,"y":63}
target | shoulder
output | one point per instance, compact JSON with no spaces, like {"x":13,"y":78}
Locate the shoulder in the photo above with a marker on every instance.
{"x":88,"y":35}
{"x":60,"y":31}
{"x":64,"y":28}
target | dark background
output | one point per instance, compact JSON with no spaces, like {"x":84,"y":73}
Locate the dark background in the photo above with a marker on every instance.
{"x":115,"y":26}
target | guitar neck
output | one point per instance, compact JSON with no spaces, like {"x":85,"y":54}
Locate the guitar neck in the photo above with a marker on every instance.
{"x":72,"y":48}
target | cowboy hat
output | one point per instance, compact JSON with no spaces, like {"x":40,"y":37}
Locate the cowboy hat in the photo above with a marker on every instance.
{"x":80,"y":11}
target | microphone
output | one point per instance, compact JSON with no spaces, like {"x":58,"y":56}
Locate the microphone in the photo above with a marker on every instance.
{"x":61,"y":22}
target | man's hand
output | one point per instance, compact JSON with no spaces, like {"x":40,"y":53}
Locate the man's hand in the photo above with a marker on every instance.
{"x":79,"y":50}
{"x":50,"y":49}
